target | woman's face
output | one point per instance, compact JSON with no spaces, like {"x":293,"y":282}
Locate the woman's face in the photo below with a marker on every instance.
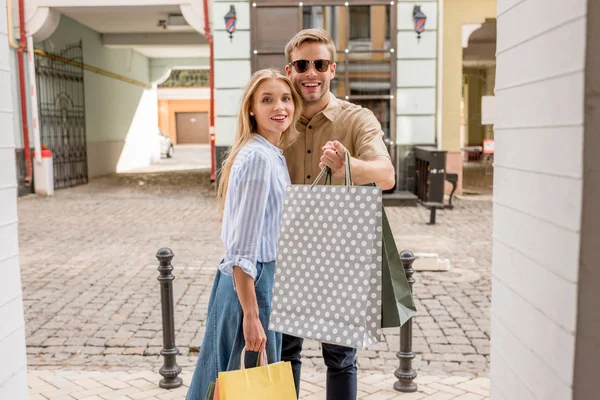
{"x":273,"y":108}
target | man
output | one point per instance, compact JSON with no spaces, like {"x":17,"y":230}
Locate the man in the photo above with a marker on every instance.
{"x":327,"y":128}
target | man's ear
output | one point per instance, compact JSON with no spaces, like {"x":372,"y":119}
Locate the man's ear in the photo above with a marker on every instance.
{"x":288,"y":70}
{"x":332,"y":69}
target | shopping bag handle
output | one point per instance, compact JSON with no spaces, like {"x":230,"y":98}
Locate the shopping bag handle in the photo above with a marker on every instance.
{"x":327,"y":172}
{"x":262,"y":359}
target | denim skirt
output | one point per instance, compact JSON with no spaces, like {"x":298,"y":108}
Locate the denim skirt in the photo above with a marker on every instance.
{"x":224,"y":335}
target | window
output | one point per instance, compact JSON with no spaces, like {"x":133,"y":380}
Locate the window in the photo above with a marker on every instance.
{"x":360,"y":22}
{"x":187,"y":78}
{"x":313,"y":17}
{"x":387,"y":22}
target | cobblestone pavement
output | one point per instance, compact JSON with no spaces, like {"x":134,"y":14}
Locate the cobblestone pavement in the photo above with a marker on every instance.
{"x":143,"y":385}
{"x":92,"y":299}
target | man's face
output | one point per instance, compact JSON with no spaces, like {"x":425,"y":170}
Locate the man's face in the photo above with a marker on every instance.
{"x":311,"y":84}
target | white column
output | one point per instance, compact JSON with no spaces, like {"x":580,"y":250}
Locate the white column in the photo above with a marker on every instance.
{"x":232,"y":67}
{"x":13,"y":370}
{"x":416,"y":75}
{"x":538,"y":196}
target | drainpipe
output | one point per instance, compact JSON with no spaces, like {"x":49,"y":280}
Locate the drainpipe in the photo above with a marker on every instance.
{"x":22,"y":91}
{"x":211,"y":130}
{"x":34,"y":104}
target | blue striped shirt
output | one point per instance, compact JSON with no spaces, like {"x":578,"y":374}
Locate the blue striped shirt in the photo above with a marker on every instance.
{"x":254,"y":206}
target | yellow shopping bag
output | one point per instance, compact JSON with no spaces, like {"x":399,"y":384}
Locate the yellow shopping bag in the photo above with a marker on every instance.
{"x":266,"y":382}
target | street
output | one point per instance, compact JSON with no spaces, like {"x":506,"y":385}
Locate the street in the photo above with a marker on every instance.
{"x":92,"y":300}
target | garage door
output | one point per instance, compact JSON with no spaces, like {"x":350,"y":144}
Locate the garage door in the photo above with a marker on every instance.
{"x":192,"y":127}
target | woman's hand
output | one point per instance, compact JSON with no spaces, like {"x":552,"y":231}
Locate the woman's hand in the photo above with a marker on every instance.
{"x":254,"y":334}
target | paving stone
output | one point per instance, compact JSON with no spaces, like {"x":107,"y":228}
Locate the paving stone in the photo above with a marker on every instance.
{"x":458,"y":340}
{"x":437,"y":340}
{"x":96,"y":342}
{"x":54,"y":341}
{"x":134,"y":350}
{"x":92,"y":350}
{"x":139,"y":342}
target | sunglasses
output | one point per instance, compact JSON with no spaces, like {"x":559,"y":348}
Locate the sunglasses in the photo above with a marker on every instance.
{"x":301,"y":66}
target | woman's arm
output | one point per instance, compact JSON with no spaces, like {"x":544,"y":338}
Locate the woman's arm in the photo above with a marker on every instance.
{"x":254,"y":333}
{"x":245,"y":230}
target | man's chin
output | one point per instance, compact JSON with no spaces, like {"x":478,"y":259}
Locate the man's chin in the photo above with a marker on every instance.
{"x":312,"y":97}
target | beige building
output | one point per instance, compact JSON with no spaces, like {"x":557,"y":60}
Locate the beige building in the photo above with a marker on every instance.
{"x":381,"y":64}
{"x":414,"y":86}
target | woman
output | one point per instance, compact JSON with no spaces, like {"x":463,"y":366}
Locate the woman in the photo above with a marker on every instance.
{"x":251,"y":192}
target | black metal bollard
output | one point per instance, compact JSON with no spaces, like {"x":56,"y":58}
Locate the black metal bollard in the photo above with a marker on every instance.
{"x":405,"y":372}
{"x":170,"y":369}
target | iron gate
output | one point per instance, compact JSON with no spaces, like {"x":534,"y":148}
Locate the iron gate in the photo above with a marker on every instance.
{"x":62,"y":113}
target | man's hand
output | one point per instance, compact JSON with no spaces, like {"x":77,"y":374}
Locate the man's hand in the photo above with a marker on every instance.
{"x":334,"y":156}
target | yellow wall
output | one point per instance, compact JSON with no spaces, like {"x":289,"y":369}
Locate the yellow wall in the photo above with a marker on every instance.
{"x":167,"y":110}
{"x":456,"y":14}
{"x":489,"y":91}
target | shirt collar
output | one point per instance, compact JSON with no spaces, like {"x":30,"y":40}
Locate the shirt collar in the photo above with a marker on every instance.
{"x":330,"y":112}
{"x":267,"y":144}
{"x":333,"y":108}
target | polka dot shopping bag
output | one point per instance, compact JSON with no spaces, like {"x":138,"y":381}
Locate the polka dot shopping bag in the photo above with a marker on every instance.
{"x":328,"y":277}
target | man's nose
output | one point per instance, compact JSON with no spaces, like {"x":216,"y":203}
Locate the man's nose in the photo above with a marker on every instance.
{"x":312,"y":70}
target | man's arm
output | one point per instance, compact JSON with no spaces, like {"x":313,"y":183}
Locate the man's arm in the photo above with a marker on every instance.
{"x":379,"y":170}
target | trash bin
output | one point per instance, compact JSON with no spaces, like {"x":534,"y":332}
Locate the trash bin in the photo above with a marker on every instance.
{"x":430,"y":174}
{"x":43,"y":175}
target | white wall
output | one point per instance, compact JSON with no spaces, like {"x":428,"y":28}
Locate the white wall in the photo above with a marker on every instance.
{"x":232,"y":67}
{"x":160,"y":67}
{"x":538,"y":181}
{"x":13,"y":368}
{"x":416,"y":74}
{"x":196,"y":93}
{"x":120,"y":118}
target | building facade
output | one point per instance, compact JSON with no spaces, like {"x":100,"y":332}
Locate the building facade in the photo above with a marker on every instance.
{"x":381,"y":64}
{"x":545,"y":341}
{"x":13,"y":371}
{"x":184,"y":106}
{"x":97,"y":68}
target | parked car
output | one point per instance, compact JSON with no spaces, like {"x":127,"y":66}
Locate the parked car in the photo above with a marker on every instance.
{"x":166,"y":145}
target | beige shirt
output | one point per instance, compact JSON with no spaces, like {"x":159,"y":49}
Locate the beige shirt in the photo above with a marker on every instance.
{"x":355,"y":127}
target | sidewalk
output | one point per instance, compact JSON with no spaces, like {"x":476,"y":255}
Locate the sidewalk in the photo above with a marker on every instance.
{"x":103,"y":385}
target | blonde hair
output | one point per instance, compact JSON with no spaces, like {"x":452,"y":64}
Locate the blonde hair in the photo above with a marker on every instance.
{"x":313,"y":35}
{"x":247,"y":126}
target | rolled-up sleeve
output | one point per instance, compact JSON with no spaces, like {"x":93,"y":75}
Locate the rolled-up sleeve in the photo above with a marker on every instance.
{"x":247,"y":207}
{"x":368,"y":136}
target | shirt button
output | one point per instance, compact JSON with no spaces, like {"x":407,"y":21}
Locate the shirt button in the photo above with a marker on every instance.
{"x":308,"y":151}
{"x":310,"y":127}
{"x":308,"y":177}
